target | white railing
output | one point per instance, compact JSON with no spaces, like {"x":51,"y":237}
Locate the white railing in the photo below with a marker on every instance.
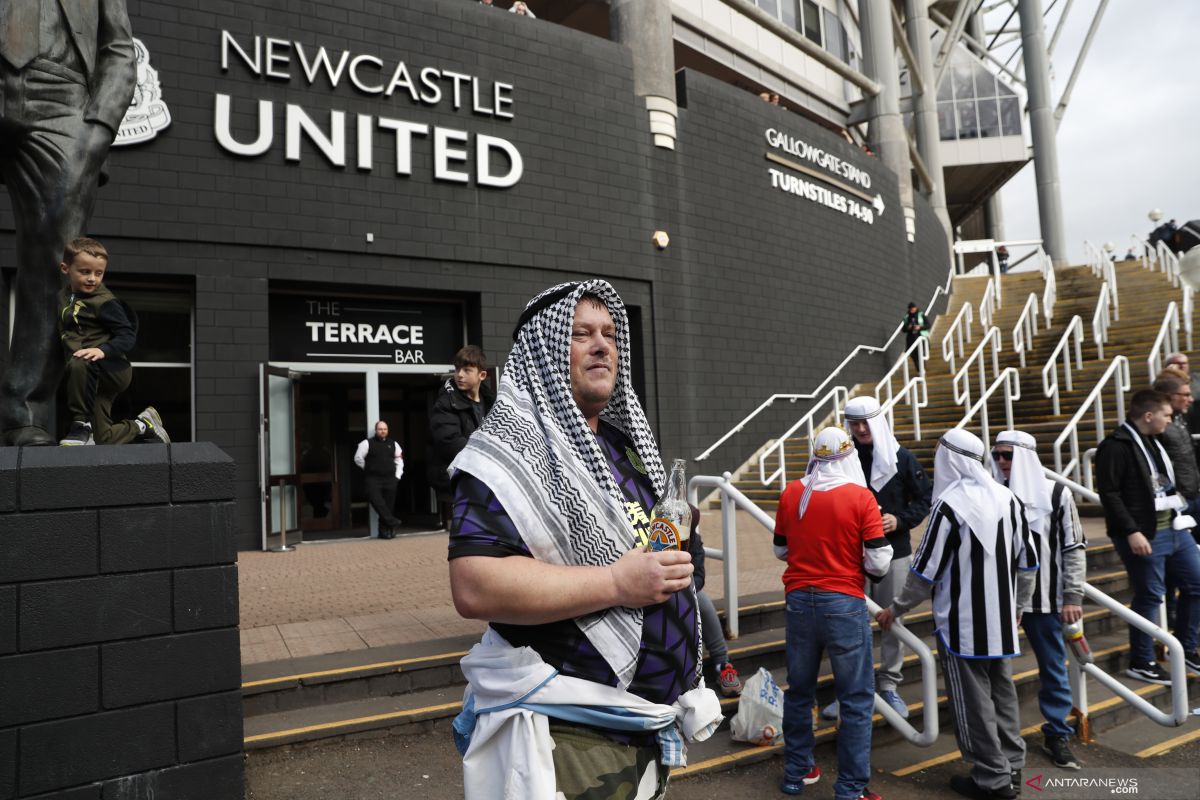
{"x":1050,"y":389}
{"x":1026,"y":327}
{"x":1009,"y":380}
{"x":1143,"y":248}
{"x":835,"y":398}
{"x":961,"y":384}
{"x":731,"y":501}
{"x":1168,"y":261}
{"x":1050,"y":293}
{"x":1166,"y":342}
{"x":1180,"y":707}
{"x":1096,"y":259}
{"x":1187,"y":311}
{"x":912,"y":387}
{"x":958,"y":335}
{"x":1101,"y":317}
{"x":1117,"y":374}
{"x":988,"y":304}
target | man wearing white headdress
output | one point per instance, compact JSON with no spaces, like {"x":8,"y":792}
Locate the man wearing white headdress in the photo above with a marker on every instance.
{"x":903,"y":492}
{"x":828,"y":530}
{"x":1058,"y":592}
{"x":975,"y":546}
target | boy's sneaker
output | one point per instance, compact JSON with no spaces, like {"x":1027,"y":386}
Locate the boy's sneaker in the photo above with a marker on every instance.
{"x":728,"y":681}
{"x":830,"y":711}
{"x":1056,"y":747}
{"x":1192,"y":660}
{"x":80,"y":434}
{"x":869,"y":795}
{"x":154,"y":426}
{"x":797,"y":787}
{"x":895,"y":701}
{"x":1150,"y":672}
{"x":1015,"y":780}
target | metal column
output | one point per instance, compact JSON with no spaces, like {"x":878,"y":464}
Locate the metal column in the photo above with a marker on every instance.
{"x":919,"y":28}
{"x":645,"y":27}
{"x":1042,"y":125}
{"x":886,"y":128}
{"x":993,"y":209}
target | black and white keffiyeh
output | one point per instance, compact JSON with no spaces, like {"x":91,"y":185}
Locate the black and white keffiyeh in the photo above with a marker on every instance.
{"x":536,"y":452}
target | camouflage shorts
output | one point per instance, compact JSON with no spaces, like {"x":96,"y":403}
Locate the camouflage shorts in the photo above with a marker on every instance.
{"x":590,"y":766}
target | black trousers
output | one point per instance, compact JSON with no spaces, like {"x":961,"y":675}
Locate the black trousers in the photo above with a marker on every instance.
{"x":50,"y":160}
{"x":91,"y":390}
{"x":381,"y":494}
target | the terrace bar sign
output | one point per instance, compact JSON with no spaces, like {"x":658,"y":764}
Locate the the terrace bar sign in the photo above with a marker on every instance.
{"x":311,"y":328}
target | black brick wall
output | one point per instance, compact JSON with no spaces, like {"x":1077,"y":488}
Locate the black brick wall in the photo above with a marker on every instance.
{"x":119,"y":653}
{"x":759,"y":292}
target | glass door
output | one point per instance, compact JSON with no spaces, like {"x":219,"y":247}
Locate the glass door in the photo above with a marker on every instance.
{"x":279,"y":477}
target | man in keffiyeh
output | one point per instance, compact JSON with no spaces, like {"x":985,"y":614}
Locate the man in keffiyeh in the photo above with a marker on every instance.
{"x":903,"y":492}
{"x":589,"y":670}
{"x":829,"y":532}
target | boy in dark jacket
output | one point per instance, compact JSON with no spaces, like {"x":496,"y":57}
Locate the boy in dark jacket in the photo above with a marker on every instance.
{"x":458,"y":412}
{"x":97,"y":332}
{"x":1136,"y":483}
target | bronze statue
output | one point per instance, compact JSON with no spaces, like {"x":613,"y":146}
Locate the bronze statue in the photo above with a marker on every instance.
{"x":67,"y":74}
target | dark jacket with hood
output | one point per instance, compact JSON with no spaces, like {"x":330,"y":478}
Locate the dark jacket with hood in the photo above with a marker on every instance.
{"x":97,"y":320}
{"x":906,"y":496}
{"x":451,"y":422}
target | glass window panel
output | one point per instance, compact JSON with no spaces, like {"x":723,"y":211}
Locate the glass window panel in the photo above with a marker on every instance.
{"x":1003,"y":88}
{"x":164,"y":324}
{"x":946,"y":122}
{"x":812,"y":21}
{"x":989,"y":117}
{"x":961,"y":76}
{"x":789,"y":14}
{"x":169,"y":390}
{"x":985,"y":82}
{"x":770,"y":6}
{"x":946,"y":89}
{"x":834,"y":37}
{"x":968,"y":120}
{"x":1010,"y":116}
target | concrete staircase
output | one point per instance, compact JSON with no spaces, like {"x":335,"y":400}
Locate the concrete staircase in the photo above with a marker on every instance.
{"x":1144,"y":296}
{"x":416,"y":689}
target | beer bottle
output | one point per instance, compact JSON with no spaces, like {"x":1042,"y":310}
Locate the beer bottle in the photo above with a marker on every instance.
{"x":671,"y":519}
{"x":1073,"y":633}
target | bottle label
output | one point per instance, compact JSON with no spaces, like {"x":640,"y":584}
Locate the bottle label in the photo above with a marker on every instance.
{"x":663,"y":535}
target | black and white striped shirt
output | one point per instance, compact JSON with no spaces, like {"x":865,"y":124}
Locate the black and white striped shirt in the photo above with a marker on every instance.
{"x":975,"y":592}
{"x":1065,"y":534}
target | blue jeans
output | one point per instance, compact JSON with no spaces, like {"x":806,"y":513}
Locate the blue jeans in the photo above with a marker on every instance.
{"x":1044,"y":632}
{"x":1173,"y":551}
{"x":816,"y":622}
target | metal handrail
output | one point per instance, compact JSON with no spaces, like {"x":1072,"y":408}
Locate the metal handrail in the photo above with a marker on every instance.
{"x":959,"y":332}
{"x":1101,"y":318}
{"x":921,"y":347}
{"x":916,"y":392}
{"x":1084,"y":492}
{"x":988,"y":304}
{"x":1026,"y":327}
{"x":731,"y":500}
{"x":1050,"y":293}
{"x":1141,"y":245}
{"x":1168,"y":334}
{"x":1188,"y":312}
{"x":962,"y":379}
{"x":1179,"y":683}
{"x":1009,"y":380}
{"x":1118,"y":368}
{"x":838,"y":395}
{"x":1169,"y":262}
{"x":1050,"y":370}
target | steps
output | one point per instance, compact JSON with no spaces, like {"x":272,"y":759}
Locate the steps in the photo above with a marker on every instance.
{"x":1143,"y":296}
{"x":416,"y":690}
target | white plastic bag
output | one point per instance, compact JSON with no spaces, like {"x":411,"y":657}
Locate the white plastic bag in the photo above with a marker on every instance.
{"x":759,"y":719}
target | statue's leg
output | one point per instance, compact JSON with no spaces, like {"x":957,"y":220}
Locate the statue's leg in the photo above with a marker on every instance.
{"x":52,"y":186}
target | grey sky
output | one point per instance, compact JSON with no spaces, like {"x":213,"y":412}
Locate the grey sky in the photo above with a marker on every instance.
{"x":1127,"y":143}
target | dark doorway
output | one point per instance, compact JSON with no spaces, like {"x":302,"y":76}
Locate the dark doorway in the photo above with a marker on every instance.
{"x":404,"y":403}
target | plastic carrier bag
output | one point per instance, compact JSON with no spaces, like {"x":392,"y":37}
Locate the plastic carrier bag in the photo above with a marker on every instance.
{"x":759,"y":719}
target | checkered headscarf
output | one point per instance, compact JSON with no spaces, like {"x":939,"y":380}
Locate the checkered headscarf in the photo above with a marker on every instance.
{"x":536,"y":452}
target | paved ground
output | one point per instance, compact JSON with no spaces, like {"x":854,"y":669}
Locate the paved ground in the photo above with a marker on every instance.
{"x":328,"y":598}
{"x":428,"y":767}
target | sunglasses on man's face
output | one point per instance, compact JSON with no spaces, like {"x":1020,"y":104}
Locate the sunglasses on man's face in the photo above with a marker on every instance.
{"x":1002,"y":455}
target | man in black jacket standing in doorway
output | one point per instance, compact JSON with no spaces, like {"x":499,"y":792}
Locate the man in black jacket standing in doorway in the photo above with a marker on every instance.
{"x":458,"y":412}
{"x":382,"y":460}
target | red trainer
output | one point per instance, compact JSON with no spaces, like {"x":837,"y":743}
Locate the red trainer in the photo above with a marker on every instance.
{"x":869,"y":795}
{"x":813,"y":776}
